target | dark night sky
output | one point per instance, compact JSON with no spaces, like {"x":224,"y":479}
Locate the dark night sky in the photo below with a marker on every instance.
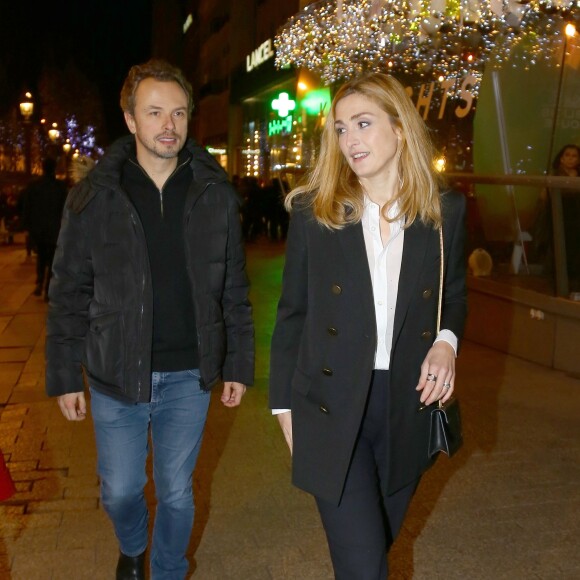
{"x":103,"y":38}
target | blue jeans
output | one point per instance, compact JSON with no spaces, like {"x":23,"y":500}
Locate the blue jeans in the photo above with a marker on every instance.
{"x":176,"y":414}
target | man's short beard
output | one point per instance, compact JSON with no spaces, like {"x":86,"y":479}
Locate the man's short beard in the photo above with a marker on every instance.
{"x":163,"y":153}
{"x":166,"y":154}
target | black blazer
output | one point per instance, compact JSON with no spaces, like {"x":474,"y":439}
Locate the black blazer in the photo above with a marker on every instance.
{"x":325,"y":337}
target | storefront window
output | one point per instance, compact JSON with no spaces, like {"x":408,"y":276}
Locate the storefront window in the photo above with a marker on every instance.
{"x":282,"y":130}
{"x":220,"y":154}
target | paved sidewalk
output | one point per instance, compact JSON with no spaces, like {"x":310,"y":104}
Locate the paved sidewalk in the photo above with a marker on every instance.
{"x":506,"y":507}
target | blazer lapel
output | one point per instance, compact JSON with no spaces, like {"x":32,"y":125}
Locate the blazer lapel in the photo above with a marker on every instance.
{"x":417,"y":240}
{"x":353,"y":247}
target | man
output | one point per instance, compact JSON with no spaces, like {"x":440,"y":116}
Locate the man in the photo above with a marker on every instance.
{"x":43,"y":202}
{"x":150,"y":297}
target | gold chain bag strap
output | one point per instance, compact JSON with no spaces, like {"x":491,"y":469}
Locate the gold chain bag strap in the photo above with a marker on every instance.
{"x":445,"y":433}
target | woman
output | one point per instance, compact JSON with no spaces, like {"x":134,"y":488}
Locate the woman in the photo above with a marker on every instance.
{"x":567,"y":163}
{"x":354,"y":352}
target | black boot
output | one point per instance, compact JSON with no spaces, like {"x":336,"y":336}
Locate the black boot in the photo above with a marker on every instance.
{"x":131,"y":568}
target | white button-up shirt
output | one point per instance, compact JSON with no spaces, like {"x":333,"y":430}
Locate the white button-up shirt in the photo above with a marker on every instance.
{"x":385,"y":268}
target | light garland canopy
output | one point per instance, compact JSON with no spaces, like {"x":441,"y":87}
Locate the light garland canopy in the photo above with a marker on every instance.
{"x":431,"y":39}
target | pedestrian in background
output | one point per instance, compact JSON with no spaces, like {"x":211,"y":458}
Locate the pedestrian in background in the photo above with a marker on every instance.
{"x":567,"y":163}
{"x":43,"y":202}
{"x":150,"y":298}
{"x":355,"y":353}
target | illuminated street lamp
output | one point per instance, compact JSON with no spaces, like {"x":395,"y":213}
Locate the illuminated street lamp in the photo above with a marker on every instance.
{"x":53,"y":149}
{"x":54,"y":133}
{"x":26,"y":110}
{"x":27,"y":107}
{"x":66,"y":147}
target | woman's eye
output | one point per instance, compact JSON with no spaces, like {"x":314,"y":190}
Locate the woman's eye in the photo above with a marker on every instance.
{"x":340,"y":130}
{"x":363,"y":124}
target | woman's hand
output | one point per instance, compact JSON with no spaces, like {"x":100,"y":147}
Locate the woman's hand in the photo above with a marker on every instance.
{"x":285,"y":420}
{"x":437,"y":378}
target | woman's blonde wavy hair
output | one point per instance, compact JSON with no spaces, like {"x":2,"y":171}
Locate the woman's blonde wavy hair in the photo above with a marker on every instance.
{"x":332,"y":188}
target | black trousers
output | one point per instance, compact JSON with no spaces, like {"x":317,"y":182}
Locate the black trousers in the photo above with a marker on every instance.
{"x":44,"y":257}
{"x":361,"y":529}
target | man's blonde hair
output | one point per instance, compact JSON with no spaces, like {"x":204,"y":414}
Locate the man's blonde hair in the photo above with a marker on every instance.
{"x":333,"y":189}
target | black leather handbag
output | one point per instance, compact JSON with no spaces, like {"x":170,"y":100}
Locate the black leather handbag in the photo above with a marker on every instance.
{"x":445,"y":433}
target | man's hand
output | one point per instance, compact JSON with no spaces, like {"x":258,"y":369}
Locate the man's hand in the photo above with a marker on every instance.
{"x":73,"y":406}
{"x":232,"y":394}
{"x":285,"y":420}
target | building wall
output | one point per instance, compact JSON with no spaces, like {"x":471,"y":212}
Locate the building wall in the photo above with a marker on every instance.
{"x":536,"y":327}
{"x":243,"y":37}
{"x":167,"y":30}
{"x":222,"y":35}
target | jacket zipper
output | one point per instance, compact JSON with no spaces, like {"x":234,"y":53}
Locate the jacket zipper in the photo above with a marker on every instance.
{"x":166,"y":181}
{"x":136,"y":227}
{"x":143,"y":279}
{"x":141,"y":316}
{"x":186,"y":218}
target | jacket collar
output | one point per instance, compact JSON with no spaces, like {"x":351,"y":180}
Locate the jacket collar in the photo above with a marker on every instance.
{"x":418,"y":238}
{"x":353,"y":247}
{"x":107,"y":173}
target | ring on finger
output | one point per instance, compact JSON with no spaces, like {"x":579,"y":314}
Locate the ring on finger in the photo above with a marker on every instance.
{"x":446,"y":386}
{"x":431,"y":377}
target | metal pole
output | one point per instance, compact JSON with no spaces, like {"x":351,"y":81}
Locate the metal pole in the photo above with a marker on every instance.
{"x":559,"y":241}
{"x":507,"y":165}
{"x":557,"y":105}
{"x":28,"y":148}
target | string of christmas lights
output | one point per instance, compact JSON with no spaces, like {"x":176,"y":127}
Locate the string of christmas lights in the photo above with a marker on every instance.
{"x":432,"y":39}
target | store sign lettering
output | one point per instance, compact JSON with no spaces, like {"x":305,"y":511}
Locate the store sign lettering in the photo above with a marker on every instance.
{"x":423,"y":99}
{"x":259,"y":56}
{"x":278,"y":126}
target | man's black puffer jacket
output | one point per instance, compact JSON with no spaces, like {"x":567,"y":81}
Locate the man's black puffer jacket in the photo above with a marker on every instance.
{"x":100,"y":312}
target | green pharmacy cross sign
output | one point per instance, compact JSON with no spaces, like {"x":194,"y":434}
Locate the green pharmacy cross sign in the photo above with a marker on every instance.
{"x":283,"y":104}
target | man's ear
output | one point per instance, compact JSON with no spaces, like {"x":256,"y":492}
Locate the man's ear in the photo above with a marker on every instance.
{"x":130,"y":120}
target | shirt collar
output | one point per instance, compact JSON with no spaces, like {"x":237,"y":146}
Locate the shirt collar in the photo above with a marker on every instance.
{"x":370,"y":205}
